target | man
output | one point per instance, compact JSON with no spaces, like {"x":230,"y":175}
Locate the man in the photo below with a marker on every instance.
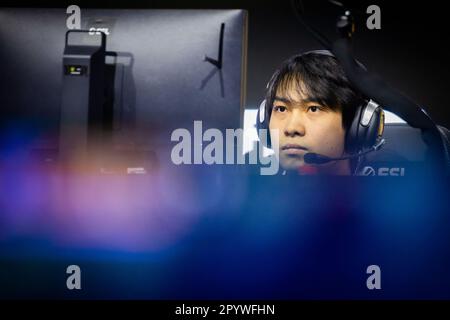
{"x":312,"y":104}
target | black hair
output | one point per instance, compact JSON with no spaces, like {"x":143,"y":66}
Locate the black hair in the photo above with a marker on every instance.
{"x":320,"y":77}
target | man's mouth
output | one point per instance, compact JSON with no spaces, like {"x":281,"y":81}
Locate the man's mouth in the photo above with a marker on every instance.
{"x":294,"y":149}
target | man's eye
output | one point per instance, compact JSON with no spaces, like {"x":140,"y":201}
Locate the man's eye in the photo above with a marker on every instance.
{"x":313,"y":108}
{"x":279,"y":108}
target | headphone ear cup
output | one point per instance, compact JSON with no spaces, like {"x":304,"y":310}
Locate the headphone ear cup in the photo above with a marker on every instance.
{"x":375,"y":128}
{"x":352,"y":138}
{"x":366,"y":129}
{"x":261,"y":115}
{"x":263,"y":123}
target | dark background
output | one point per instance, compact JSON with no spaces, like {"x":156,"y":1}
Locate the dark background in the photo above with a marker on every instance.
{"x":408,"y":51}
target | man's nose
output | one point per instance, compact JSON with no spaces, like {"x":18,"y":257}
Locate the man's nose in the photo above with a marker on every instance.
{"x":295,"y":124}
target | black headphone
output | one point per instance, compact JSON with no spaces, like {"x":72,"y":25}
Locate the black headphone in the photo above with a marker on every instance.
{"x":365,"y":131}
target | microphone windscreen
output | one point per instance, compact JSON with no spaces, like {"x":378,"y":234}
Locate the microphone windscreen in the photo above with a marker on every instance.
{"x":314,"y":158}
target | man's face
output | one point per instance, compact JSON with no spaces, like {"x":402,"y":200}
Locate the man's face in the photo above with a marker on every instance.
{"x":306,"y":126}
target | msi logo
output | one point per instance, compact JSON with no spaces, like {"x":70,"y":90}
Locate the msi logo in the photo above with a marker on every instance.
{"x":368,"y":171}
{"x":93,"y":31}
{"x":383,"y":172}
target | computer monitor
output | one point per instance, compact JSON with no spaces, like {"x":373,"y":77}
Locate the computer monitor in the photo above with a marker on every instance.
{"x":164,"y":69}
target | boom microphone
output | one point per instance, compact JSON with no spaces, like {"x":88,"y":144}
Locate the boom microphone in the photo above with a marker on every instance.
{"x":315,"y":158}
